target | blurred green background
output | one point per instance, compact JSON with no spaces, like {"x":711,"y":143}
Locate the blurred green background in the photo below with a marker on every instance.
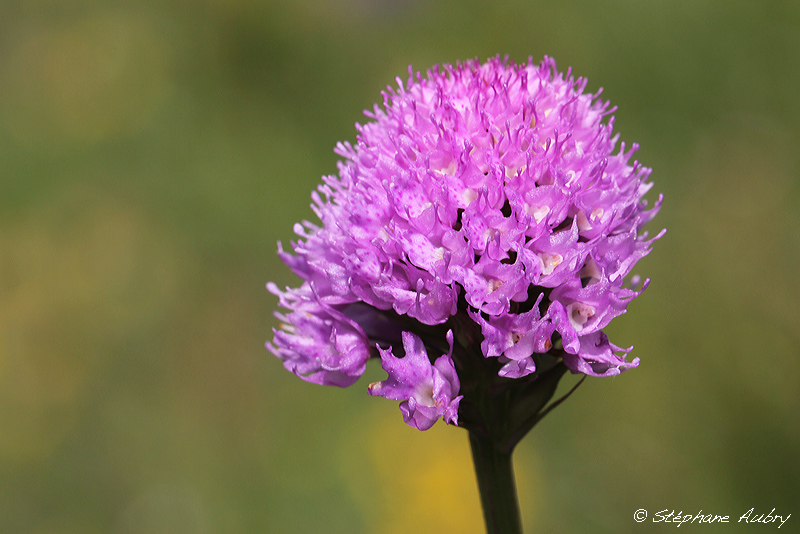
{"x":153,"y":152}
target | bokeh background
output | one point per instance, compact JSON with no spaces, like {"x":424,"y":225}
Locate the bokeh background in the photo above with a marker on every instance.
{"x":153,"y":152}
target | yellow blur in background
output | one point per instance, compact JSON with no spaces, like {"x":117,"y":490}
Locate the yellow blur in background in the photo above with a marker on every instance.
{"x":153,"y":153}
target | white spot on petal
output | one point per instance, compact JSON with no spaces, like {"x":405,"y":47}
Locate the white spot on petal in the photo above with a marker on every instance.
{"x":468,"y":195}
{"x":539,"y":213}
{"x":579,"y":313}
{"x":550,"y":262}
{"x":423,"y":393}
{"x":583,"y":222}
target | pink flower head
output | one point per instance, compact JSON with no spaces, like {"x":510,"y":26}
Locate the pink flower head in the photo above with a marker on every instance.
{"x":493,"y":192}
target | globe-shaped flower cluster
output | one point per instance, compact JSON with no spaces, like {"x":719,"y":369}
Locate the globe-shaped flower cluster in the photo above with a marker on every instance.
{"x":488,"y":192}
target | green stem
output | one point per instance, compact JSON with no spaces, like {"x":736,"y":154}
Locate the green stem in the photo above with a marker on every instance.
{"x":495,"y":473}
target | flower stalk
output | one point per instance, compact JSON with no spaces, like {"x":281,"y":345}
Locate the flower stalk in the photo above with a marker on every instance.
{"x":495,"y":473}
{"x":498,"y":412}
{"x":494,"y":434}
